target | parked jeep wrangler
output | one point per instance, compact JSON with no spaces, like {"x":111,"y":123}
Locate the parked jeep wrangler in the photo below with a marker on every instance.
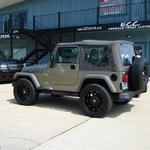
{"x":99,"y":72}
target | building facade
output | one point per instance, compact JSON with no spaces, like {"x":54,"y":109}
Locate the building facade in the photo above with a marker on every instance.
{"x":31,"y":25}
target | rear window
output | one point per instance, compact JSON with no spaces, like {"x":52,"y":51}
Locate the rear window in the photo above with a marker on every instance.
{"x":127,"y":53}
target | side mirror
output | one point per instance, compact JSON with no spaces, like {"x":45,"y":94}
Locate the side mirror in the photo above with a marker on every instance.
{"x":138,"y":52}
{"x":52,"y":59}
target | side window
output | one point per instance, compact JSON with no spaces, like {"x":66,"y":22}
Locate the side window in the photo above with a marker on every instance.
{"x":67,"y":55}
{"x":18,"y":17}
{"x":97,"y":56}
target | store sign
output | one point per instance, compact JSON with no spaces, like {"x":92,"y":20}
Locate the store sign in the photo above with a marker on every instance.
{"x":112,"y":7}
{"x":117,"y":26}
{"x":93,"y":28}
{"x":5,"y":36}
{"x":8,"y":36}
{"x":130,"y":25}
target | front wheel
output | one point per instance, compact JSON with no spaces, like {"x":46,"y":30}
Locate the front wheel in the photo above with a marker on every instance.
{"x":95,"y":100}
{"x":24,"y":92}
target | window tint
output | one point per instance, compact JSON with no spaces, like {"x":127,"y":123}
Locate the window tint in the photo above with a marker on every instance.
{"x":67,"y":55}
{"x":97,"y":56}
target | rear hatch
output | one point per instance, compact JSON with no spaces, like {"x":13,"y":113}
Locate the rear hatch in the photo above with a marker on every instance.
{"x":127,"y":54}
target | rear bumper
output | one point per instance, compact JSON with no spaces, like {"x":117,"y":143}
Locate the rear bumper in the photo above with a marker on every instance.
{"x":128,"y":95}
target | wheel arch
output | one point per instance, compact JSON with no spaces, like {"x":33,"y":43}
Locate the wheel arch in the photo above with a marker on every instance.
{"x":103,"y":82}
{"x":30,"y":77}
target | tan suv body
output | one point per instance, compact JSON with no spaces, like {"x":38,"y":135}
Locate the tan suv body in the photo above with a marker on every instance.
{"x":86,"y":66}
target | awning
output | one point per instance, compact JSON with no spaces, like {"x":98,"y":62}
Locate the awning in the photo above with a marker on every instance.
{"x":6,"y":3}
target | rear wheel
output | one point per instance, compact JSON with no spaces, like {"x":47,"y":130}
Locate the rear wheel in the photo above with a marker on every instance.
{"x":24,"y":92}
{"x":95,"y":100}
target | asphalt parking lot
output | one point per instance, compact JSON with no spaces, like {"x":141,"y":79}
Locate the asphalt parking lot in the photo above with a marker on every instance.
{"x":59,"y":124}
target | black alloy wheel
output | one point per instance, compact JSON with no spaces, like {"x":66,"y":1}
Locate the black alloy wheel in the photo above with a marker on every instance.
{"x":95,"y":100}
{"x":24,"y":92}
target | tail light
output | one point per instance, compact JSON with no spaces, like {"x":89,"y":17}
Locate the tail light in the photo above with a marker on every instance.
{"x":124,"y":84}
{"x":125,"y":78}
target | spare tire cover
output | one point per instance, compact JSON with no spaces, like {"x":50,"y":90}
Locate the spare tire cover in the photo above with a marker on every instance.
{"x":138,"y":75}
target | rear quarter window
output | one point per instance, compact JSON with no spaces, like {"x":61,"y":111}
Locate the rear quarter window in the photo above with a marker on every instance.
{"x":127,"y":53}
{"x":96,"y":58}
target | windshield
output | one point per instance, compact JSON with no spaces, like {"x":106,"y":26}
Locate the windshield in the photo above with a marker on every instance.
{"x":127,"y":53}
{"x":3,"y":56}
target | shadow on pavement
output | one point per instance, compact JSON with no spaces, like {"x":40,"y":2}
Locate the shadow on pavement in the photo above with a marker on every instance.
{"x":117,"y":110}
{"x":67,"y":104}
{"x":71,"y":104}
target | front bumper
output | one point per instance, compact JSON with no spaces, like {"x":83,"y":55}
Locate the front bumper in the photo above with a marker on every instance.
{"x":6,"y":77}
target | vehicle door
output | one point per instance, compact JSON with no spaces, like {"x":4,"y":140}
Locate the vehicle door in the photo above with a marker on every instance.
{"x":66,"y":68}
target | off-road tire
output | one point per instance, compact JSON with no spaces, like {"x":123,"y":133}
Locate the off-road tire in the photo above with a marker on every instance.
{"x":24,"y":92}
{"x":95,"y":100}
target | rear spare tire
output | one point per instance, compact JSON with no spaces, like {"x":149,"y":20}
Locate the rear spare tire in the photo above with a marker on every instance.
{"x":138,"y":76}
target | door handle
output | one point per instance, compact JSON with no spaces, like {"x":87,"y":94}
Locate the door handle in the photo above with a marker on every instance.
{"x":73,"y":67}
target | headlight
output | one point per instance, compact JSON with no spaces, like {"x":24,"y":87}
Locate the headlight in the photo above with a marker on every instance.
{"x":3,"y":67}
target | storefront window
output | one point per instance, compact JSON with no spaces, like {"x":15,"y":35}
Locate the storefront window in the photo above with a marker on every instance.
{"x":1,"y":24}
{"x":19,"y":53}
{"x":112,"y":7}
{"x":6,"y":23}
{"x":4,"y":55}
{"x":16,"y":18}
